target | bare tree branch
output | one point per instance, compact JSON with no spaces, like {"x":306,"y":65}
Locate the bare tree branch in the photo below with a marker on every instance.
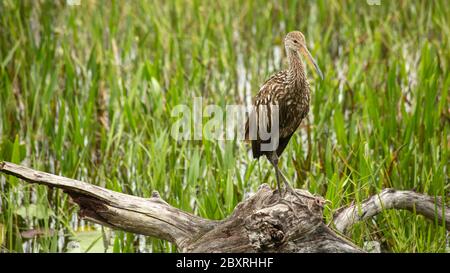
{"x":152,"y":217}
{"x":432,"y":208}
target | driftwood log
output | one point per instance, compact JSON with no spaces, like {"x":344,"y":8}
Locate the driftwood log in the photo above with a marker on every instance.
{"x":259,"y":224}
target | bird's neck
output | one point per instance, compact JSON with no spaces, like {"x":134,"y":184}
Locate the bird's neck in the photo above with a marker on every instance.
{"x":296,"y":70}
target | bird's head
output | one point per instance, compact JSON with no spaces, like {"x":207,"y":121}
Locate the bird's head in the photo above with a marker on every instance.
{"x":295,"y":41}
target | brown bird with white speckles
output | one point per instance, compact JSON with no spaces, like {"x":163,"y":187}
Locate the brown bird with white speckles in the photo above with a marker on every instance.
{"x":287,"y":90}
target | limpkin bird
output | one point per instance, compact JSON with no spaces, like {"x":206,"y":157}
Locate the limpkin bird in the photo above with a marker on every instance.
{"x":288,"y":90}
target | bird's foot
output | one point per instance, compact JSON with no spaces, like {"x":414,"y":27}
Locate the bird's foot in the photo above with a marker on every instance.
{"x":290,"y":202}
{"x":300,"y":197}
{"x":291,"y":190}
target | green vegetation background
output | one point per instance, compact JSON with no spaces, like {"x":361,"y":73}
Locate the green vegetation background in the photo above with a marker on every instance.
{"x":87,"y":92}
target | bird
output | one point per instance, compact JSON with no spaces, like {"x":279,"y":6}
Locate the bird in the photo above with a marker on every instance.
{"x":288,"y":92}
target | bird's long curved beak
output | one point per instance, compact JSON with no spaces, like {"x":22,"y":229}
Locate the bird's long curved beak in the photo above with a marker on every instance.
{"x":311,"y":60}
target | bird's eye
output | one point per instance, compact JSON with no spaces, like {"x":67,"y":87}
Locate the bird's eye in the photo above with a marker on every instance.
{"x":295,"y":41}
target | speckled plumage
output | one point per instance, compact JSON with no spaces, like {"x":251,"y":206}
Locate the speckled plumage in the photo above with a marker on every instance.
{"x":289,"y":90}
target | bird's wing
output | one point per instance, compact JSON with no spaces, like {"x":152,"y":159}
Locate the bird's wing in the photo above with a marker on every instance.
{"x":270,"y":88}
{"x":268,"y":95}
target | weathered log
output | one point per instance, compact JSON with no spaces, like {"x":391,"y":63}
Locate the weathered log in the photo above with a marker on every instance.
{"x":432,"y":208}
{"x":262,"y":223}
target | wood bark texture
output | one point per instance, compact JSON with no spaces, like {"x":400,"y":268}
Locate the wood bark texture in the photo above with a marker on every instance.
{"x":262,"y":223}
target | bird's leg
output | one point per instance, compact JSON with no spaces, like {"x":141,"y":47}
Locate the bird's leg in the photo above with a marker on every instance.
{"x":274,"y":160}
{"x":299,"y":196}
{"x":291,"y":189}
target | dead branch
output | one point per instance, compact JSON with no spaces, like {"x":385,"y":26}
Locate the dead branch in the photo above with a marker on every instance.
{"x":431,"y":208}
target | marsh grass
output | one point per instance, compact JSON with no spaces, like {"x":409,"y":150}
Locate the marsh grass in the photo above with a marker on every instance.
{"x":87,"y":91}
